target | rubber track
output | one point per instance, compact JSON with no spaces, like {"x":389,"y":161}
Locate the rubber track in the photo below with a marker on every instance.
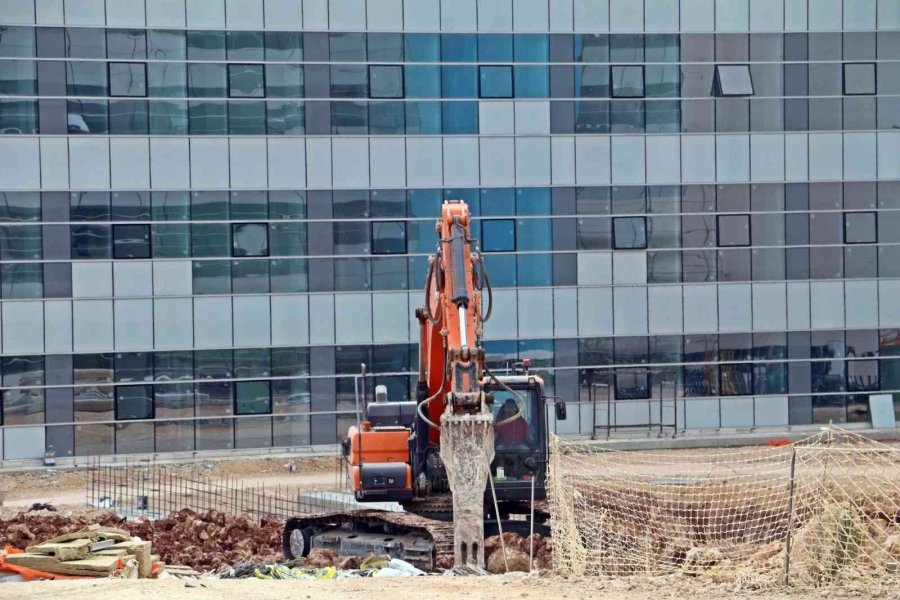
{"x":440,"y":533}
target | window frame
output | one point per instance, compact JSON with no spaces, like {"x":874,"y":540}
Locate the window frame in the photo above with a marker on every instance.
{"x":874,"y":214}
{"x":612,"y":80}
{"x":262,"y":68}
{"x":515,"y":241}
{"x":370,"y":91}
{"x":263,"y":224}
{"x":719,"y":239}
{"x":149,"y":245}
{"x":109,"y":79}
{"x":512,"y":82}
{"x":874,"y":66}
{"x":118,"y":388}
{"x":718,"y":81}
{"x":372,"y":237}
{"x":236,"y":402}
{"x":615,"y":241}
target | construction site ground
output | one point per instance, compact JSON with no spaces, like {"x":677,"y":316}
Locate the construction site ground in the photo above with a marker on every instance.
{"x":506,"y":587}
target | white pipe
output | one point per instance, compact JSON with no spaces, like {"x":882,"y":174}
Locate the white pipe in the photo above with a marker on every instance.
{"x":463,"y":332}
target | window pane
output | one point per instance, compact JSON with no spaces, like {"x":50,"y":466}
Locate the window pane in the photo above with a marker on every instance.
{"x":210,"y":206}
{"x":734,"y":80}
{"x":247,"y":118}
{"x":592,"y":82}
{"x":284,"y":81}
{"x":349,"y":118}
{"x":423,"y":81}
{"x":169,"y":118}
{"x":131,"y":241}
{"x":386,"y":118}
{"x":164,"y":44}
{"x":126,"y":43}
{"x":24,"y":405}
{"x":592,"y":117}
{"x":206,"y":45}
{"x":211,"y":277}
{"x":82,"y":42}
{"x":496,"y":82}
{"x":244,"y":45}
{"x":632,"y":384}
{"x":134,"y":366}
{"x":591,"y":48}
{"x":171,"y":240}
{"x":18,"y":116}
{"x":284,"y":45}
{"x":245,"y":81}
{"x":389,"y":237}
{"x":459,"y":82}
{"x":459,"y":47}
{"x":352,"y":274}
{"x":859,"y":79}
{"x":250,"y":239}
{"x":85,"y":116}
{"x":734,"y":230}
{"x":459,"y":117}
{"x":389,"y":274}
{"x":19,"y":77}
{"x":385,"y":82}
{"x":208,"y":118}
{"x":287,"y":239}
{"x":630,"y":232}
{"x":349,"y":81}
{"x":127,"y":79}
{"x":347,"y":47}
{"x":128,"y":116}
{"x":20,"y":206}
{"x":206,"y":80}
{"x":423,"y":118}
{"x":385,"y":47}
{"x":860,"y":228}
{"x":287,"y":205}
{"x":285,"y":118}
{"x":250,"y":277}
{"x":498,"y":235}
{"x":531,"y":82}
{"x":22,"y":280}
{"x":130,"y":206}
{"x":422,"y":47}
{"x":17,"y":41}
{"x":288,"y":275}
{"x":85,"y":78}
{"x":210,"y":240}
{"x":628,"y":82}
{"x":21,"y":242}
{"x":167,"y":80}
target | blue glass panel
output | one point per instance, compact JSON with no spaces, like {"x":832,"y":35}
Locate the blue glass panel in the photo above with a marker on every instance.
{"x":495,"y":82}
{"x":459,"y":47}
{"x":460,"y":117}
{"x":498,"y":202}
{"x":423,"y":118}
{"x":495,"y":47}
{"x":534,"y":234}
{"x":18,"y":116}
{"x":418,"y":270}
{"x":532,"y":82}
{"x":386,"y":118}
{"x":501,"y":269}
{"x":422,"y":47}
{"x":459,"y":82}
{"x":592,"y":82}
{"x":532,"y":47}
{"x":534,"y":270}
{"x":469,"y":196}
{"x":533,"y":201}
{"x":498,"y":235}
{"x":423,"y":82}
{"x":424,"y":203}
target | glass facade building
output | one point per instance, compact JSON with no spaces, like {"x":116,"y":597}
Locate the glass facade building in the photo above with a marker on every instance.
{"x":214,"y":210}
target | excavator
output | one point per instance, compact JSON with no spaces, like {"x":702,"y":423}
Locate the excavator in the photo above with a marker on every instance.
{"x":464,"y":459}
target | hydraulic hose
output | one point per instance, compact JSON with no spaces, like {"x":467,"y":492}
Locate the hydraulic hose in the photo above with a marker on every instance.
{"x":429,"y":399}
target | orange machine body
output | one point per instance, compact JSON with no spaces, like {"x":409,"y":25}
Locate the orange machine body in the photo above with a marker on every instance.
{"x":378,"y":446}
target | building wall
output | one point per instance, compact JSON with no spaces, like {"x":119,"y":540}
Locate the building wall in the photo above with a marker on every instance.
{"x":214,"y":211}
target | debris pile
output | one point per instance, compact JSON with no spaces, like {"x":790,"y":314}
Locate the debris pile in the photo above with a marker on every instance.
{"x":203,"y":541}
{"x":94,"y":551}
{"x":518,"y":550}
{"x":373,"y":565}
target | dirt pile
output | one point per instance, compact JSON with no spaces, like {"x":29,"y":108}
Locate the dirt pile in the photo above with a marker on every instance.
{"x":517,"y":552}
{"x":204,"y":541}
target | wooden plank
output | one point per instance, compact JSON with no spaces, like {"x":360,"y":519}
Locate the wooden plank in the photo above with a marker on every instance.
{"x":74,"y":550}
{"x":97,"y":566}
{"x":111,"y":552}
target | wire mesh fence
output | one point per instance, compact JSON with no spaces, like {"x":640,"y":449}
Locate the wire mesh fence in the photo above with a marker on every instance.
{"x":821,"y":512}
{"x":143,"y":487}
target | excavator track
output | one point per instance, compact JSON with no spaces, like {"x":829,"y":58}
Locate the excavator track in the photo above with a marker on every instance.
{"x":428,"y":543}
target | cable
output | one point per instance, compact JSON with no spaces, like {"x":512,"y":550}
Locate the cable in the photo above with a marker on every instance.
{"x":490,"y":291}
{"x":430,"y":398}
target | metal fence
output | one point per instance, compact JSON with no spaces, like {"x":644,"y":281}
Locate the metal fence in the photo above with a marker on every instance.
{"x":143,"y":487}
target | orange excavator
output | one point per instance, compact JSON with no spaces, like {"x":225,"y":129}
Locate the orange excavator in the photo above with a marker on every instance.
{"x":463,"y":460}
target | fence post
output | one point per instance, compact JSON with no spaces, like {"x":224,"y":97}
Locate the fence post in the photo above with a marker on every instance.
{"x":790,"y":518}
